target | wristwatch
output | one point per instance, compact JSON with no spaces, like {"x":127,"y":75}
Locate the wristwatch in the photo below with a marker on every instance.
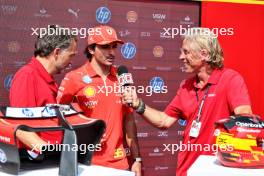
{"x":138,"y":159}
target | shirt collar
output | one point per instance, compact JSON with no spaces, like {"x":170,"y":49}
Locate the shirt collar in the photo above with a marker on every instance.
{"x":41,"y":70}
{"x":213,"y":79}
{"x":215,"y":76}
{"x":90,"y":70}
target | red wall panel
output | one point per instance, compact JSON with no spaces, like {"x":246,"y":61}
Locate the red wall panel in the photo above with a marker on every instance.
{"x":244,"y":51}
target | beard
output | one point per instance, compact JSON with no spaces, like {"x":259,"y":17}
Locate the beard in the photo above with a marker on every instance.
{"x":62,"y":69}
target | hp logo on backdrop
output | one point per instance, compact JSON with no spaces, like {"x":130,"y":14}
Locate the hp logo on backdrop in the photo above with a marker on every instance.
{"x":182,"y":122}
{"x":156,"y":83}
{"x":128,"y":50}
{"x":103,"y":15}
{"x":8,"y":81}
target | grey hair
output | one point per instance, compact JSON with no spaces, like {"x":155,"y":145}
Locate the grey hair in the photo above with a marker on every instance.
{"x":203,"y":38}
{"x":57,"y":39}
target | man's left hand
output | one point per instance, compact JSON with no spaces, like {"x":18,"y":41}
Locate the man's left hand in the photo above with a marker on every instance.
{"x":136,"y":167}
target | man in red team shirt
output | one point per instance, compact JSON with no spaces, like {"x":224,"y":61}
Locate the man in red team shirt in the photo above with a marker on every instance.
{"x":217,"y":91}
{"x":33,"y":85}
{"x":88,"y":84}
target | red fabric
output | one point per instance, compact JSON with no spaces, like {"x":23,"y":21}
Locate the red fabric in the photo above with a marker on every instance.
{"x":227,"y":92}
{"x":243,"y":51}
{"x":32,"y":86}
{"x":81,"y":85}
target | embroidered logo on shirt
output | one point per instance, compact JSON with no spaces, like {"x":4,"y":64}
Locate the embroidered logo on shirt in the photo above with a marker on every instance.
{"x":118,"y":153}
{"x":91,"y":104}
{"x":87,"y":79}
{"x":89,"y":91}
{"x":211,"y":95}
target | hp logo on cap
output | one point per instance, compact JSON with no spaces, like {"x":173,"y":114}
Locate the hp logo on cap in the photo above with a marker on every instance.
{"x":103,"y":15}
{"x":128,"y":50}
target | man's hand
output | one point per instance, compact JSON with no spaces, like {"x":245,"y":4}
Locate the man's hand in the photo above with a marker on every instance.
{"x":136,"y":167}
{"x":129,"y":96}
{"x":103,"y":140}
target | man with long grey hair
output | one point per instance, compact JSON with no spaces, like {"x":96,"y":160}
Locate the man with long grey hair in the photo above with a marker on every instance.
{"x":33,"y":85}
{"x":211,"y":93}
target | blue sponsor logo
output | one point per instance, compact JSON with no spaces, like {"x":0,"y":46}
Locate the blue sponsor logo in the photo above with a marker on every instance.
{"x":128,"y":50}
{"x":8,"y":81}
{"x":87,"y":79}
{"x":50,"y":111}
{"x":157,"y":84}
{"x":27,"y":112}
{"x":182,"y":122}
{"x":103,"y":15}
{"x":3,"y":158}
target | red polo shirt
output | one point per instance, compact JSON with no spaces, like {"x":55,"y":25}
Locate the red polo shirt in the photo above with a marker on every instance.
{"x":33,"y":86}
{"x":86,"y":87}
{"x":227,"y":91}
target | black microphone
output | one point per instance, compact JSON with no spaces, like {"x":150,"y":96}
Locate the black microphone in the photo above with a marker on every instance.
{"x":124,"y":78}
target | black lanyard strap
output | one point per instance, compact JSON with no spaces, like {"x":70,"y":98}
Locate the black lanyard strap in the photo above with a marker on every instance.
{"x":202,"y":103}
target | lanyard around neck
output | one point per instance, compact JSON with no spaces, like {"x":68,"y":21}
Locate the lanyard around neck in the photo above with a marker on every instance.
{"x":202,"y":103}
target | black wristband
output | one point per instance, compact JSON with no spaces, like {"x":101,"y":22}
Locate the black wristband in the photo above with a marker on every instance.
{"x":141,"y":107}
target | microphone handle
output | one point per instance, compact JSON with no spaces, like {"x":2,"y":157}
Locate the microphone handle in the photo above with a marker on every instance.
{"x":130,"y":104}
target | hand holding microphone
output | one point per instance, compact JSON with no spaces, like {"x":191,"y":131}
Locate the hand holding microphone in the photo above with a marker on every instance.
{"x":125,"y":80}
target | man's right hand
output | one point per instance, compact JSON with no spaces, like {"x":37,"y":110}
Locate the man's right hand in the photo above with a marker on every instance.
{"x":129,"y":96}
{"x":103,"y":140}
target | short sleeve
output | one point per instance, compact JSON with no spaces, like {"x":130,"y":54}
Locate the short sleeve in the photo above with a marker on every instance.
{"x":173,"y":109}
{"x":237,"y":94}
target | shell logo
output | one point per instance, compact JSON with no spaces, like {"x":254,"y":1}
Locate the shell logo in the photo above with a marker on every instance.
{"x":89,"y":91}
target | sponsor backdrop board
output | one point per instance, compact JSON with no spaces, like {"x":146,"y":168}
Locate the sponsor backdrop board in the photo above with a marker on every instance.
{"x":150,"y":52}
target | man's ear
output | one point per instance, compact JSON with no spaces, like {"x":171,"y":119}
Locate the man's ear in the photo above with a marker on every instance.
{"x":56,"y":52}
{"x":205,"y":54}
{"x":90,"y":49}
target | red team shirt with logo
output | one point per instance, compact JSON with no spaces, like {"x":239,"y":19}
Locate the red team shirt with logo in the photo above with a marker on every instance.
{"x":86,"y":87}
{"x":227,"y":91}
